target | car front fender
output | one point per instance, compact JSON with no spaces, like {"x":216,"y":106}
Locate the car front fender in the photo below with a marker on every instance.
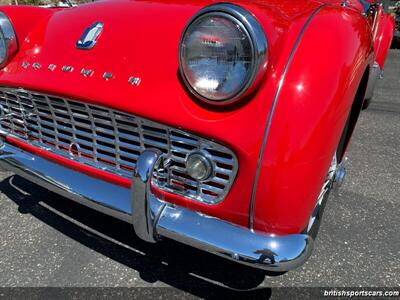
{"x":311,"y":107}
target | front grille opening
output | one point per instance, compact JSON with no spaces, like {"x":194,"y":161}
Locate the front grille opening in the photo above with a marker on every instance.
{"x":224,"y":166}
{"x":183,"y":146}
{"x":112,"y":141}
{"x":157,"y":139}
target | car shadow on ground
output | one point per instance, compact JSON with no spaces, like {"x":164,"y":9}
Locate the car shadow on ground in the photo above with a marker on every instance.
{"x":174,"y":264}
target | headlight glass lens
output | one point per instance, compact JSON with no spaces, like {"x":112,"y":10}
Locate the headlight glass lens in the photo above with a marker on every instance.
{"x":217,"y":57}
{"x":8,"y":40}
{"x":3,"y":48}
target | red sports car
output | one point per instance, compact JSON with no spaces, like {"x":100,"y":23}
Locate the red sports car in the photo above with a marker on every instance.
{"x":220,"y":125}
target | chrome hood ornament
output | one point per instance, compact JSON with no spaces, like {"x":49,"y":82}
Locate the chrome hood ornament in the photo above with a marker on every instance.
{"x":90,"y":35}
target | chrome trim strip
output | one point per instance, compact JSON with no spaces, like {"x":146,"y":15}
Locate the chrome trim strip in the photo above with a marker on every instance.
{"x":271,"y":114}
{"x":153,"y":218}
{"x":100,"y":195}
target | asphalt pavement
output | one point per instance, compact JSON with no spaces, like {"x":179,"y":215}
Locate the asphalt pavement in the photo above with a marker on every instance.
{"x":46,"y":240}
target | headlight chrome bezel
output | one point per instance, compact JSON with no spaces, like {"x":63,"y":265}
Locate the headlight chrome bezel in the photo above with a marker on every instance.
{"x":259,"y":47}
{"x":10,"y":39}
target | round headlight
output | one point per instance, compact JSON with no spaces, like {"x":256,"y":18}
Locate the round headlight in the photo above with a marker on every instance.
{"x":8,"y":40}
{"x":223,"y":53}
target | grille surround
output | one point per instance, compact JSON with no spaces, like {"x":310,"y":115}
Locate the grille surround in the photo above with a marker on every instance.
{"x":111,"y":140}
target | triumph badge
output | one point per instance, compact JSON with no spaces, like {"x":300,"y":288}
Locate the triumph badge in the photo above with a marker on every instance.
{"x":90,"y":36}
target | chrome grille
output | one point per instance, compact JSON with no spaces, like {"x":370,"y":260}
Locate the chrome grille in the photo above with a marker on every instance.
{"x":111,"y":141}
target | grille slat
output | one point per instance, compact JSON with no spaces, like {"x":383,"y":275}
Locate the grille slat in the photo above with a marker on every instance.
{"x":223,"y":171}
{"x":222,"y":160}
{"x":112,"y":141}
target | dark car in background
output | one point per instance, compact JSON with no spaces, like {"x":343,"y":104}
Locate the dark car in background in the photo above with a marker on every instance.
{"x":396,"y":39}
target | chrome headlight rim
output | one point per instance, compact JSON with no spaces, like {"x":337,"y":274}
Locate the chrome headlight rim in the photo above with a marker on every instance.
{"x":10,"y":39}
{"x":259,"y":47}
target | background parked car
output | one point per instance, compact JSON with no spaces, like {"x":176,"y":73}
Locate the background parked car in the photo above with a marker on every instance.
{"x":396,"y":15}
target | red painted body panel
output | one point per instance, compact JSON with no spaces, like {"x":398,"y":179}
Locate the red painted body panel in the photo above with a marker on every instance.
{"x":141,"y":38}
{"x":383,"y":35}
{"x":25,"y":18}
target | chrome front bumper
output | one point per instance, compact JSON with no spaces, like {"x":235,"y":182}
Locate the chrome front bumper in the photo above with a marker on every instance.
{"x":153,"y":219}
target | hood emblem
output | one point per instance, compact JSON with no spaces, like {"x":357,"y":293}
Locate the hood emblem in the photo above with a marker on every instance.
{"x":90,"y":35}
